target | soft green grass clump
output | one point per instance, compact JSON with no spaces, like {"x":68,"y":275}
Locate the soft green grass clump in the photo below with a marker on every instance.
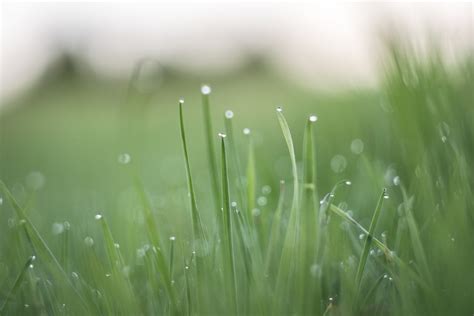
{"x":298,"y":249}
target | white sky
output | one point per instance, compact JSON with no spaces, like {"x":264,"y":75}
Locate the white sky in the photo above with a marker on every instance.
{"x":323,"y":44}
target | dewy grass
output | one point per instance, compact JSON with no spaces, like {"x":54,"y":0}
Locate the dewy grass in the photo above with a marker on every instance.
{"x":309,"y":258}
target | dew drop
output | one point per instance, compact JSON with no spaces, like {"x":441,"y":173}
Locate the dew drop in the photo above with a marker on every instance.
{"x":246,"y":131}
{"x":313,"y":118}
{"x":89,"y":241}
{"x":229,"y":114}
{"x":108,"y":275}
{"x":98,"y":217}
{"x":338,"y":163}
{"x":206,"y":90}
{"x":66,"y":225}
{"x":35,"y":180}
{"x":372,"y":252}
{"x":396,"y":180}
{"x":361,"y":236}
{"x":279,"y":109}
{"x":181,"y":101}
{"x":256,"y":212}
{"x":1,"y":200}
{"x":348,"y":182}
{"x":75,"y":275}
{"x":124,"y":158}
{"x":262,"y":201}
{"x":221,"y":135}
{"x":266,"y":189}
{"x":117,"y":246}
{"x":233,"y":204}
{"x":357,"y":146}
{"x":172,"y":238}
{"x":57,"y":228}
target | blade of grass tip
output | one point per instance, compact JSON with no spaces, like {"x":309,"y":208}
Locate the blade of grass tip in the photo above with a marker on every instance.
{"x":155,"y":240}
{"x":40,"y":247}
{"x":322,"y":219}
{"x":234,"y":154}
{"x":251,"y":178}
{"x":290,"y":249}
{"x":228,"y":253}
{"x":309,"y":209}
{"x":111,"y":248}
{"x":211,"y":153}
{"x":199,"y":234}
{"x":17,"y":283}
{"x":368,"y":241}
{"x":198,"y":230}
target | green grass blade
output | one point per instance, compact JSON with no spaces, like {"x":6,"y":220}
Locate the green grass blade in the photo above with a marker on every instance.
{"x":211,"y":153}
{"x":234,"y":157}
{"x":156,"y":242}
{"x":288,"y":261}
{"x":251,"y":177}
{"x":41,"y":249}
{"x":228,"y":253}
{"x":368,"y":240}
{"x":17,"y":283}
{"x":198,"y":230}
{"x":275,"y":232}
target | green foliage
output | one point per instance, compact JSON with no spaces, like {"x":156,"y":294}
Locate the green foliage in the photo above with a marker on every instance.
{"x":247,"y":249}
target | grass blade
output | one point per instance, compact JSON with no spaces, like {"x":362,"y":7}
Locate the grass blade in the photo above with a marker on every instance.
{"x":155,"y":240}
{"x":211,"y":153}
{"x":228,"y":253}
{"x":17,"y":283}
{"x":368,"y":240}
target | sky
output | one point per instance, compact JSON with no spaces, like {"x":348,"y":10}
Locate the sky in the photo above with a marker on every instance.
{"x":320,"y":44}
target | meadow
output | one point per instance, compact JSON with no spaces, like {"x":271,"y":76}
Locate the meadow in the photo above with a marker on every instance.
{"x":242,"y":194}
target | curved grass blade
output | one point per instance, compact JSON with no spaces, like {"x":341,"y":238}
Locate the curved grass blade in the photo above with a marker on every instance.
{"x":368,"y":240}
{"x":288,"y":261}
{"x":41,"y":249}
{"x":275,"y":231}
{"x":17,"y":283}
{"x":251,"y":179}
{"x":198,"y":230}
{"x":228,"y":253}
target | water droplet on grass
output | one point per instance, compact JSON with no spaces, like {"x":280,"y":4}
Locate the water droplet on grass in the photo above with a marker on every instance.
{"x":172,"y":238}
{"x":348,"y":182}
{"x":256,"y":212}
{"x":222,"y":135}
{"x":357,"y":146}
{"x":124,"y":158}
{"x":233,"y":204}
{"x":75,"y":275}
{"x":117,"y":246}
{"x":262,"y":201}
{"x":338,"y":163}
{"x":1,"y":200}
{"x":266,"y":189}
{"x":361,"y":236}
{"x":98,"y":217}
{"x":57,"y":228}
{"x":66,"y":225}
{"x":35,"y":180}
{"x":313,"y":118}
{"x":89,"y":241}
{"x":396,"y":180}
{"x":229,"y":114}
{"x":246,"y":131}
{"x":205,"y":89}
{"x":279,"y":109}
{"x":181,"y":100}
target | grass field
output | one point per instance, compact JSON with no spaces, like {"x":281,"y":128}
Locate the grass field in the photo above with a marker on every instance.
{"x":120,"y":199}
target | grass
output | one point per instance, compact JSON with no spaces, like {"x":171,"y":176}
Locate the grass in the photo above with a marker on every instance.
{"x":143,"y":235}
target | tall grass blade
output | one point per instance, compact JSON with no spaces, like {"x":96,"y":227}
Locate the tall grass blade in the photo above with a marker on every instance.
{"x":156,"y":242}
{"x":211,"y":153}
{"x":41,"y":249}
{"x":228,"y":253}
{"x":368,"y":240}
